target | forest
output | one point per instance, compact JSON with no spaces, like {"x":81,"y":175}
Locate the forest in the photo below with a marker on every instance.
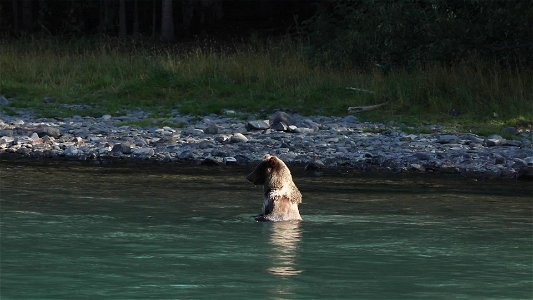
{"x":427,"y":57}
{"x":358,"y":31}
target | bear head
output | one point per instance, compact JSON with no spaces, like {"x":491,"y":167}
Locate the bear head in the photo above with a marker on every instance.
{"x":271,"y":172}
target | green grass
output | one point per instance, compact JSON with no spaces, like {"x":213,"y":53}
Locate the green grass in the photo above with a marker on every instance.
{"x":113,"y":76}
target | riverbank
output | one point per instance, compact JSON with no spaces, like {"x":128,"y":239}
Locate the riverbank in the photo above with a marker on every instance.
{"x":92,"y":77}
{"x":315,"y":143}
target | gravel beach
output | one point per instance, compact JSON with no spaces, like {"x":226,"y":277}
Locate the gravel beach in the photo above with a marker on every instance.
{"x":315,"y":142}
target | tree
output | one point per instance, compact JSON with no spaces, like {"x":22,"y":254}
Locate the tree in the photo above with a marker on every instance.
{"x":135,"y":18}
{"x":123,"y":31}
{"x":15,"y":16}
{"x":167,"y":22}
{"x":27,"y":15}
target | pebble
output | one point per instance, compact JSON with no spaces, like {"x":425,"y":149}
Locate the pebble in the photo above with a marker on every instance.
{"x":316,"y":142}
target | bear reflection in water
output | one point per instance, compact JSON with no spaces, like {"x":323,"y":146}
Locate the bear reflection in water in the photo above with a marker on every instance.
{"x":284,"y":239}
{"x":280,"y":195}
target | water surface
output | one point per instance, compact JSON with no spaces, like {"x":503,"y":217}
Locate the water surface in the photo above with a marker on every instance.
{"x":82,"y":232}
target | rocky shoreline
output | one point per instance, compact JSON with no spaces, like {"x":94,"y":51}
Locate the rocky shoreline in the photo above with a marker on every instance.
{"x":314,"y":142}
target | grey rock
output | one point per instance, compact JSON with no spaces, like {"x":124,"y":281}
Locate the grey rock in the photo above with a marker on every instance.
{"x":308,"y":123}
{"x":279,"y":126}
{"x":220,"y":153}
{"x":281,"y":117}
{"x":257,"y":125}
{"x":238,"y":138}
{"x":18,"y":122}
{"x":512,"y":143}
{"x":6,"y":132}
{"x":186,"y":155}
{"x":222,"y":138}
{"x":78,"y":140}
{"x":417,"y":167}
{"x":34,"y":136}
{"x":6,"y":140}
{"x":212,"y":128}
{"x":106,"y":117}
{"x":49,"y":131}
{"x":23,"y":151}
{"x":124,"y":148}
{"x":229,"y":160}
{"x":210,"y":161}
{"x":303,"y":130}
{"x":494,"y":140}
{"x":510,"y":130}
{"x":526,"y":173}
{"x":192,"y":132}
{"x":498,"y":160}
{"x":23,"y":140}
{"x":71,"y":151}
{"x":4,"y":101}
{"x":447,"y":139}
{"x":143,"y":152}
{"x":48,"y":99}
{"x":48,"y":139}
{"x":205,"y":144}
{"x":350,"y":120}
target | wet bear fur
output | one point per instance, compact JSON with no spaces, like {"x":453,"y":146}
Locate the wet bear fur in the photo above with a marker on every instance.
{"x":280,"y":195}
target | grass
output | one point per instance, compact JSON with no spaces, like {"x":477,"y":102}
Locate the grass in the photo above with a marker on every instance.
{"x":95,"y":77}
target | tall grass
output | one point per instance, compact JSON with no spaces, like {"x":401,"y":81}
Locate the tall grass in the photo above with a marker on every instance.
{"x":111,"y":76}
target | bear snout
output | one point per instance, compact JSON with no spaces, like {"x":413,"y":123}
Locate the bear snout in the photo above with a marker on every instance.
{"x":252,"y":178}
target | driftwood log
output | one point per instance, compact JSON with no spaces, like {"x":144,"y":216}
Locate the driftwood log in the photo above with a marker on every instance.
{"x":360,"y":90}
{"x":358,"y":109}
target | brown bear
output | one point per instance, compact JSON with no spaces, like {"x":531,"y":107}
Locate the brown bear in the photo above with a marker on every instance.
{"x":281,"y":196}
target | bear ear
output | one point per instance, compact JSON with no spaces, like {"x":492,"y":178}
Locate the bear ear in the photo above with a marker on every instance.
{"x":273,"y":161}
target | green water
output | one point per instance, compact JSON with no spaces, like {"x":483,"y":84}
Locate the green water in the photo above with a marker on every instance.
{"x":81,"y":232}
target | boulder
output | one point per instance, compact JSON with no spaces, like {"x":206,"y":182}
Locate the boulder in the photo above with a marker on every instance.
{"x":4,"y":101}
{"x":124,"y":148}
{"x":212,"y":128}
{"x":144,"y":152}
{"x":257,"y":125}
{"x":238,"y":138}
{"x":447,"y":139}
{"x":279,"y":126}
{"x":49,"y":131}
{"x":279,"y":117}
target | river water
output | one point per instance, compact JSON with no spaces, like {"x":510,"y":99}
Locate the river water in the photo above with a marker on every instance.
{"x":86,"y":232}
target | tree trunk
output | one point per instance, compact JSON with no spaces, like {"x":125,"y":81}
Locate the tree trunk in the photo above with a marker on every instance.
{"x":27,"y":15}
{"x":105,"y":16}
{"x":43,"y":13}
{"x":123,"y":31}
{"x":15,"y":16}
{"x":167,"y":22}
{"x":154,"y":18}
{"x":135,"y":17}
